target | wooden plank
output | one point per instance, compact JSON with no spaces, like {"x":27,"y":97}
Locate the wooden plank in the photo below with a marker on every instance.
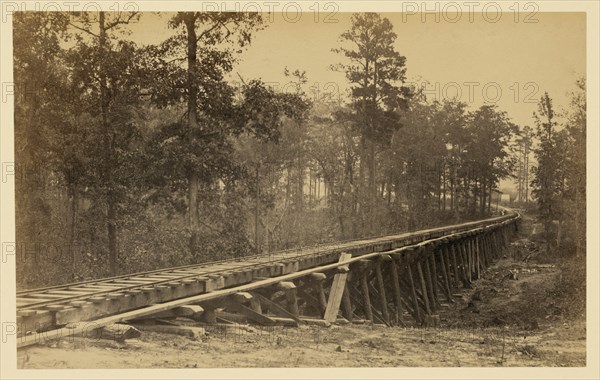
{"x":71,"y":293}
{"x":160,"y":277}
{"x":26,"y":313}
{"x":43,"y":296}
{"x":27,"y":301}
{"x":134,"y":282}
{"x":335,"y":294}
{"x":100,"y":287}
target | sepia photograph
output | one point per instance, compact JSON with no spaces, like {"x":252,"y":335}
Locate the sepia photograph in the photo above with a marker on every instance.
{"x":267,"y":185}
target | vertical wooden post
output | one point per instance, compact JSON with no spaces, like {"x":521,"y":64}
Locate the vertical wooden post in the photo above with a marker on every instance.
{"x":491,"y":245}
{"x":463,"y":261}
{"x":396,"y":287}
{"x":413,"y":291}
{"x":423,"y":288}
{"x":497,"y":243}
{"x":480,"y":260}
{"x":289,"y":288}
{"x":482,"y":252}
{"x":442,"y":255}
{"x":468,"y":259}
{"x":317,"y":283}
{"x":434,"y":274}
{"x":453,"y":248}
{"x":448,"y":265}
{"x":486,"y":248}
{"x":476,"y":257}
{"x":347,"y":304}
{"x":505,"y":237}
{"x":381,"y":289}
{"x":429,"y":283}
{"x":366,"y":299}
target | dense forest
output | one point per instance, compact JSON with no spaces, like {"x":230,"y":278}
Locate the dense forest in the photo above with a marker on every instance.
{"x":133,"y":158}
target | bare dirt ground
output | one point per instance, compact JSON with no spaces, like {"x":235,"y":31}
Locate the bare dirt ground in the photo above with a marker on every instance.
{"x":519,"y":314}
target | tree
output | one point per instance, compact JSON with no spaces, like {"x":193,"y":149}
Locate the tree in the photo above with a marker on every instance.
{"x":39,"y":88}
{"x":524,"y":142}
{"x":197,"y":154}
{"x":452,"y":117}
{"x":416,"y":154}
{"x":487,"y":151}
{"x":104,"y":75}
{"x":204,"y":42}
{"x":576,"y":173}
{"x":332,"y":145}
{"x":376,"y":73}
{"x":549,"y":174}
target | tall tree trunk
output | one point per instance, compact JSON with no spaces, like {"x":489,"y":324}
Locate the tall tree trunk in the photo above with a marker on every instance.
{"x":287,"y":187}
{"x":192,"y":121}
{"x":438,"y":189}
{"x":74,"y":203}
{"x":389,"y":189}
{"x":489,"y":201}
{"x":452,"y":188}
{"x":360,"y":204}
{"x":257,"y":212}
{"x":444,"y":187}
{"x":310,"y":188}
{"x":578,"y":225}
{"x":483,"y":194}
{"x":527,"y":173}
{"x":300,"y":185}
{"x":109,"y":137}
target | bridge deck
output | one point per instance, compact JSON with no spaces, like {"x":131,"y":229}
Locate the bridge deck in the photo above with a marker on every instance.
{"x":52,"y":307}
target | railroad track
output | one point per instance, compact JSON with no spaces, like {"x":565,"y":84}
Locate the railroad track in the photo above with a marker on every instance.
{"x":51,"y":308}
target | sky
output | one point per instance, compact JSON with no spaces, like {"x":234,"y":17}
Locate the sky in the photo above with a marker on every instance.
{"x":507,"y":63}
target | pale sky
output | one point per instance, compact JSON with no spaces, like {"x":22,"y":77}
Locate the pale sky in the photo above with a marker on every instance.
{"x":521,"y":59}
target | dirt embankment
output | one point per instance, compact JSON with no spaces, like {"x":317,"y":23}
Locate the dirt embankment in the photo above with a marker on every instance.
{"x":528,"y":310}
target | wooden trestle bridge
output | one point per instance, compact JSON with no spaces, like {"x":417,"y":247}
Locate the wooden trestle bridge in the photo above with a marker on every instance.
{"x":393,"y":280}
